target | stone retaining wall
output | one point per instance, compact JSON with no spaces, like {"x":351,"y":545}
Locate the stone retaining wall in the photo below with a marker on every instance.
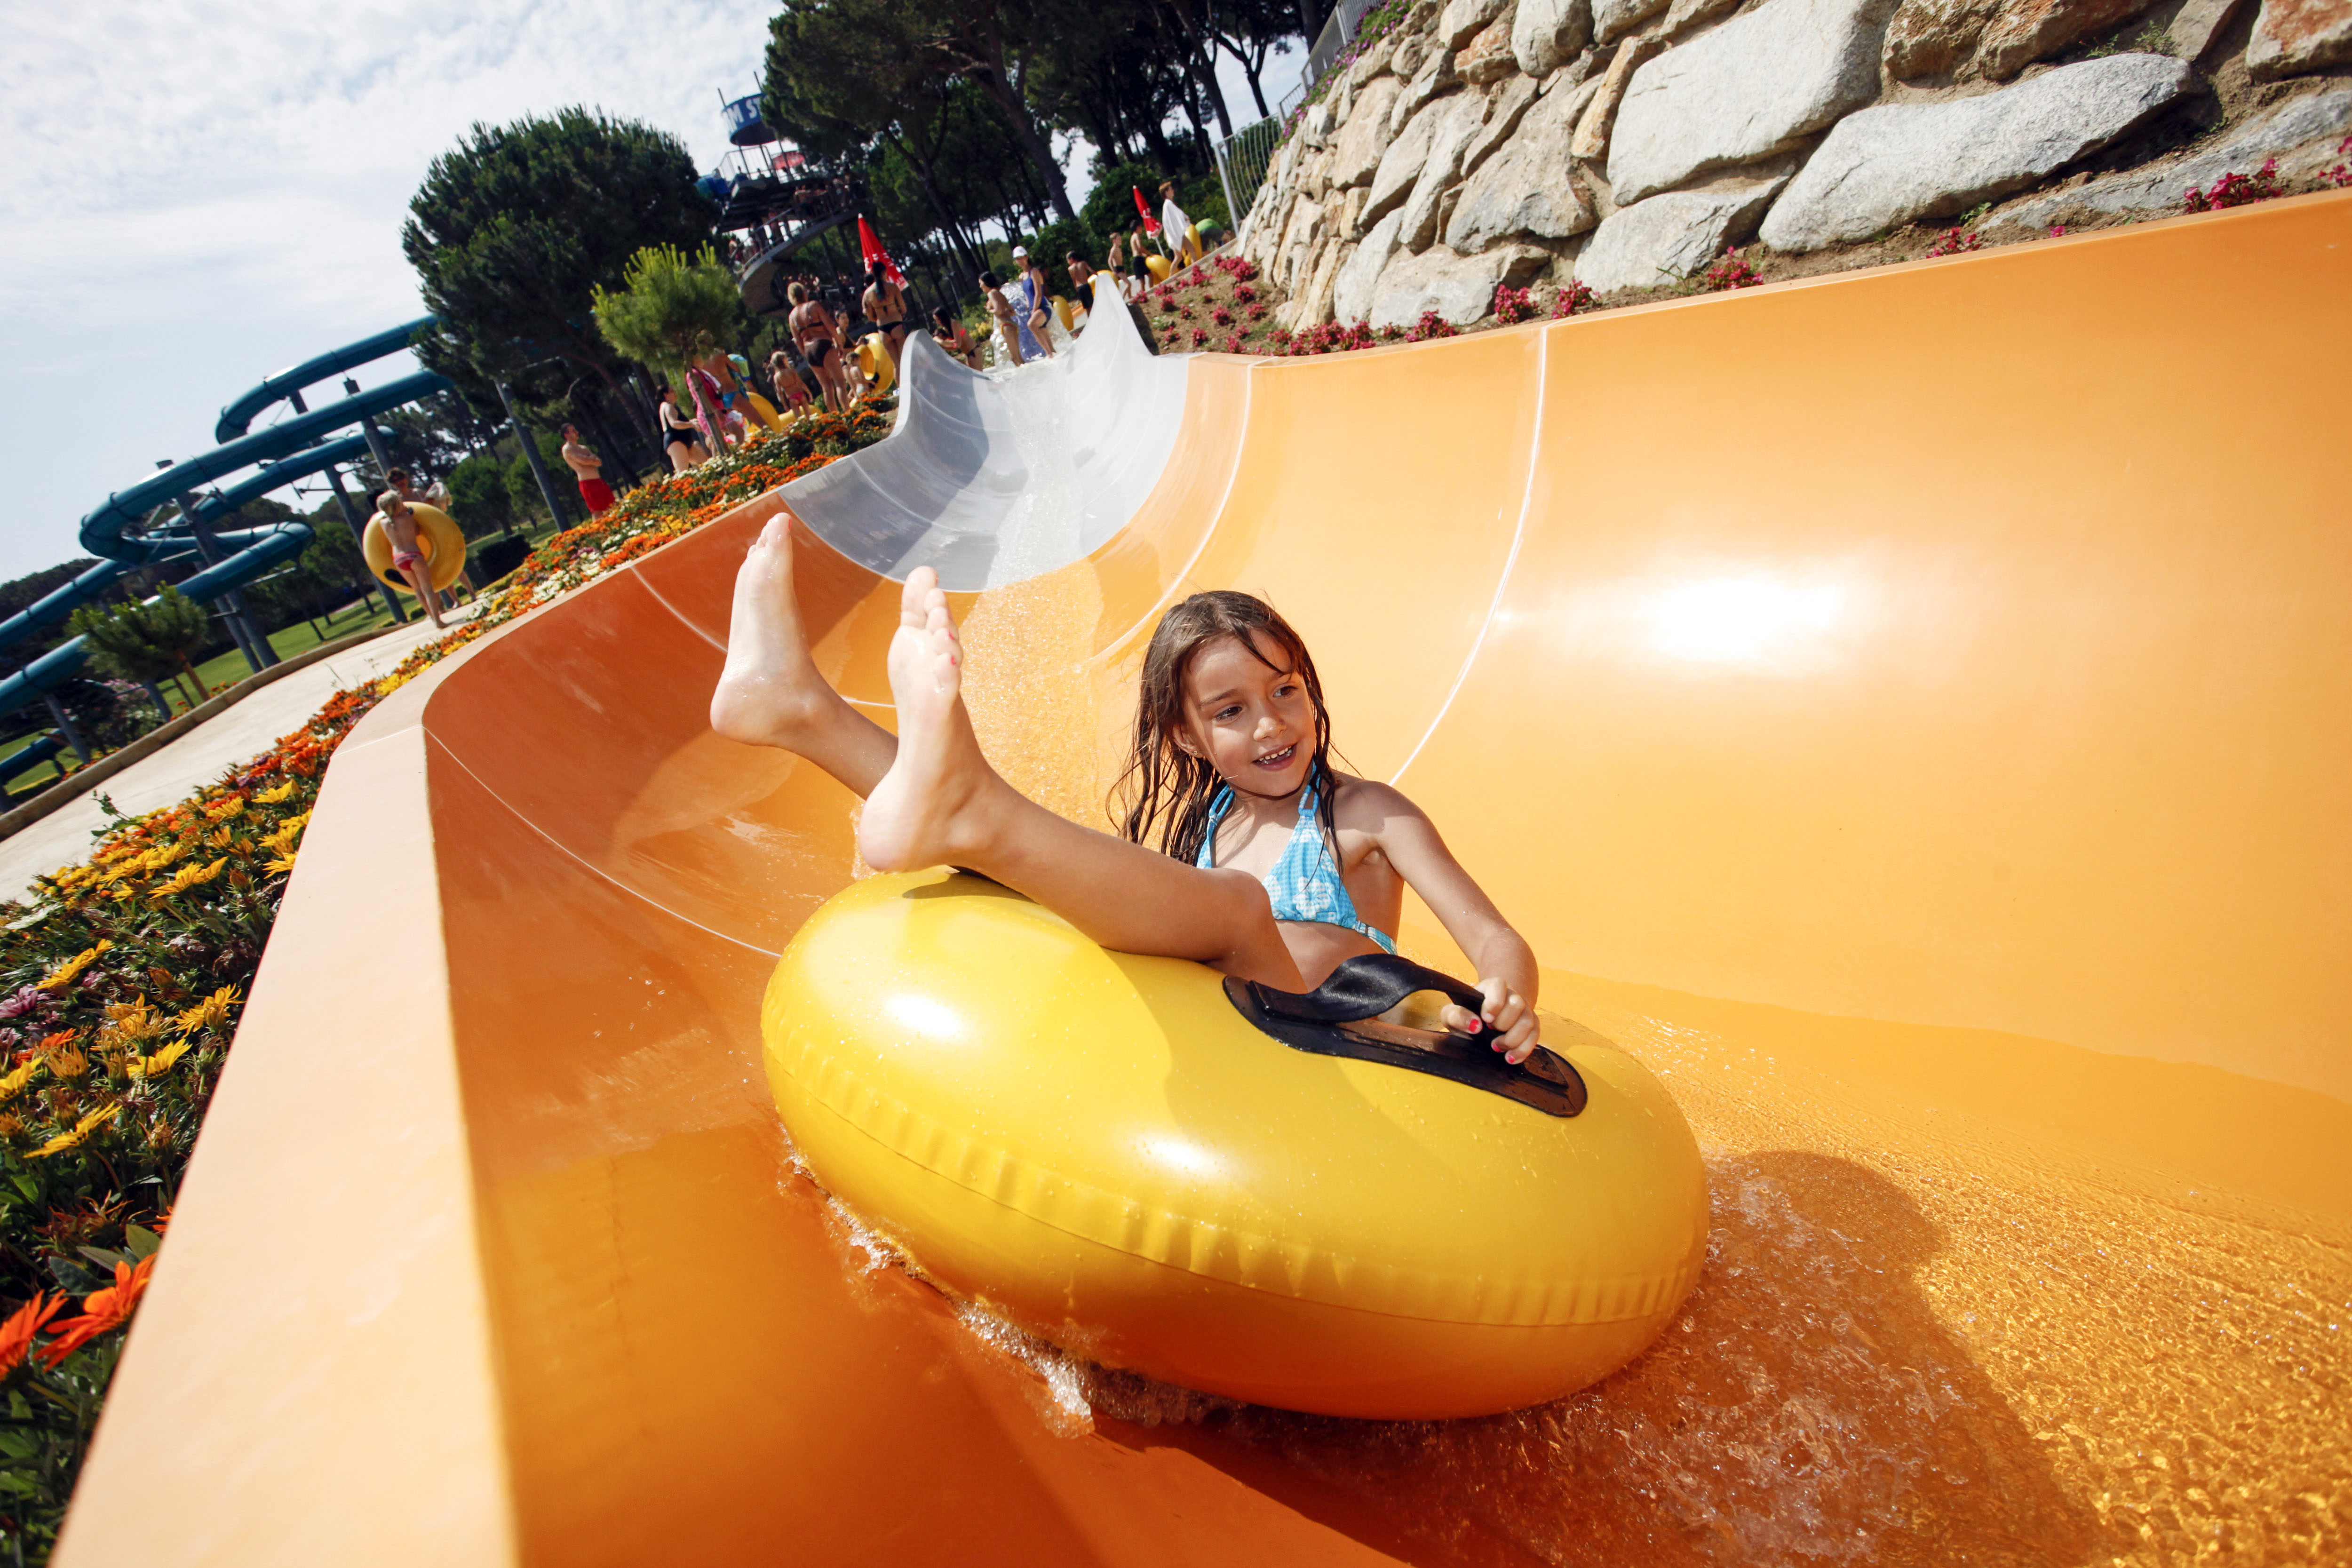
{"x":1628,"y":143}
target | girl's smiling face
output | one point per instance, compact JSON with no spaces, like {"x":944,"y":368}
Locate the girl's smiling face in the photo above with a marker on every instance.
{"x":1248,"y":712}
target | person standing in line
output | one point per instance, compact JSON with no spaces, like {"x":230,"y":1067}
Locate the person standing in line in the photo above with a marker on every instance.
{"x":589,"y":469}
{"x":1002,"y":310}
{"x":952,"y":335}
{"x":1028,"y":296}
{"x":818,"y":339}
{"x":790,"y":390}
{"x":1082,"y":278}
{"x":885,"y":306}
{"x":1175,"y":228}
{"x":680,"y":441}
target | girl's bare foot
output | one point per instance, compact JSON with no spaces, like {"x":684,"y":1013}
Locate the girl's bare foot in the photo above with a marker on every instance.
{"x":925,"y":812}
{"x":770,"y":690}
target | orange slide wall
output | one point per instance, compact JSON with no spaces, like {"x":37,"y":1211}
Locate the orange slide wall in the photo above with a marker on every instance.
{"x":1912,"y":708}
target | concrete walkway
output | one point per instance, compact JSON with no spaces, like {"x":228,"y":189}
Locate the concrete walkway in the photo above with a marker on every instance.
{"x":64,"y":837}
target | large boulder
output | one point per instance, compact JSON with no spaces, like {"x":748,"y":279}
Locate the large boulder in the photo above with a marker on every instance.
{"x":1612,"y":19}
{"x":1311,"y":306}
{"x":1356,"y":152}
{"x":1504,"y":111}
{"x":1530,"y":187}
{"x":2301,"y":133}
{"x":1547,"y":34}
{"x":1753,"y":87}
{"x":2292,"y":37}
{"x":1402,"y":164}
{"x":1487,"y":58}
{"x":1463,"y":20}
{"x":1995,"y":39}
{"x":1436,"y":77}
{"x":1458,"y":121}
{"x":2197,"y":25}
{"x":1460,"y":288}
{"x":1315,"y":126}
{"x":1351,"y":287}
{"x":1591,"y":141}
{"x":1666,"y":238}
{"x":1883,"y":167}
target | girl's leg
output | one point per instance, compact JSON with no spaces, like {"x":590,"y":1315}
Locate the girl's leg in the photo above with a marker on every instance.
{"x":771,"y":694}
{"x":940,"y":803}
{"x":422,"y":582}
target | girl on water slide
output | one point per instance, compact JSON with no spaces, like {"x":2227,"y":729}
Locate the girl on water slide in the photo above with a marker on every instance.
{"x":1271,"y":864}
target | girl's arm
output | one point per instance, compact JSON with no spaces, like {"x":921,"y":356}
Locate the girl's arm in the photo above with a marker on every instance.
{"x":1504,"y":962}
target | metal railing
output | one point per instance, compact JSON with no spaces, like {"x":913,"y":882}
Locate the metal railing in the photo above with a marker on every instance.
{"x":1244,"y":160}
{"x":1337,"y":28}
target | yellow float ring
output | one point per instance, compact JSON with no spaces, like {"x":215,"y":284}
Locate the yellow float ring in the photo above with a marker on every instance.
{"x":874,"y":359}
{"x":1062,"y":314}
{"x":764,"y":409}
{"x":1102,"y":1148}
{"x":1159,"y":268}
{"x":438,"y":540}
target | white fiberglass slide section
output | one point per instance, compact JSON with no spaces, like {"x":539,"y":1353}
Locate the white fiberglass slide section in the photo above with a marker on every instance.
{"x":991,"y":478}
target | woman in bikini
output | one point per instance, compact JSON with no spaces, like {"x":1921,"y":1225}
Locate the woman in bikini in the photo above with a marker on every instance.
{"x":819,"y":341}
{"x":886,"y":307}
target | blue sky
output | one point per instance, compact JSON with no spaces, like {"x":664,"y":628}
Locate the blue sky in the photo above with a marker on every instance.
{"x":198,"y":195}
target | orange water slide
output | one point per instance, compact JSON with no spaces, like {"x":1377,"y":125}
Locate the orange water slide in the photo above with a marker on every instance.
{"x":1912,"y":710}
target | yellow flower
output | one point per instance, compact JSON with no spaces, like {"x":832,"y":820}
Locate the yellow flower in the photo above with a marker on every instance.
{"x":68,"y":1061}
{"x":63,"y":975}
{"x":9,"y":1126}
{"x":272,"y":796}
{"x":221,"y":811}
{"x":127,"y":1024}
{"x":221,"y":836}
{"x":208,"y":1012}
{"x":162,"y":1061}
{"x":13,"y":1084}
{"x":185,"y":877}
{"x":80,"y":1133}
{"x":282,"y":866}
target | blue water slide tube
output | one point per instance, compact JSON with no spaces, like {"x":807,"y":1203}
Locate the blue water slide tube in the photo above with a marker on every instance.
{"x":237,"y":418}
{"x":283,"y":452}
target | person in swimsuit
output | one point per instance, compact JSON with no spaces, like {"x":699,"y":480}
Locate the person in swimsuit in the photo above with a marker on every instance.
{"x":1269,"y":864}
{"x":819,"y":341}
{"x":680,"y":441}
{"x":885,"y":306}
{"x":1035,"y":311}
{"x":951,"y":334}
{"x":790,"y":390}
{"x":589,"y":469}
{"x":437,"y":496}
{"x":400,"y":532}
{"x":1003,"y":312}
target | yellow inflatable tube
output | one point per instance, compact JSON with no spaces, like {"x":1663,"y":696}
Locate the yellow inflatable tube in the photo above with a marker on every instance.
{"x":874,"y":359}
{"x":764,"y":409}
{"x":1108,"y":1150}
{"x":438,"y":540}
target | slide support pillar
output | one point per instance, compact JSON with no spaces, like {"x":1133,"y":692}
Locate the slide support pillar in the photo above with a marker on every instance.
{"x":64,"y":721}
{"x":538,"y":464}
{"x":234,"y":615}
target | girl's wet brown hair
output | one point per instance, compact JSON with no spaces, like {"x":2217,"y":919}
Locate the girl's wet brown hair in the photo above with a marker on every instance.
{"x":1168,"y":790}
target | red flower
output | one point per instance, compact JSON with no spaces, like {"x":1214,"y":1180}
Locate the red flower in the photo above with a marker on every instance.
{"x":16,"y":1333}
{"x":102,"y":1311}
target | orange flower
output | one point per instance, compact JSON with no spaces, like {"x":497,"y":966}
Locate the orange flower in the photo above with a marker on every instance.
{"x":102,"y":1310}
{"x":16,"y":1333}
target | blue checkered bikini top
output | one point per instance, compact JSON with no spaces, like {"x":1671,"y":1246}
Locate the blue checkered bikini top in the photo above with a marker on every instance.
{"x":1305,"y":884}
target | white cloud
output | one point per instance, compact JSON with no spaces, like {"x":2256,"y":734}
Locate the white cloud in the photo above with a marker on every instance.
{"x":198,"y":195}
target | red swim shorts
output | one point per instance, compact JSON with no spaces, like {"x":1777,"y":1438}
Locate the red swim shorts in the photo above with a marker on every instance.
{"x":596,"y":493}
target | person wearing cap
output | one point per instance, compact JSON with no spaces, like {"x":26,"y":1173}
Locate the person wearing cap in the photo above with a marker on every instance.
{"x":1029,"y":301}
{"x":1175,"y":228}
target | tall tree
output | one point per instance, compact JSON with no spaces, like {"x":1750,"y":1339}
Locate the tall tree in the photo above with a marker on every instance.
{"x":670,"y":309}
{"x":515,"y":226}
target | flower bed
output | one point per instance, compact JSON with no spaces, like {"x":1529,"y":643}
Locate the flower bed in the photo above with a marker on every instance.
{"x":121,"y":979}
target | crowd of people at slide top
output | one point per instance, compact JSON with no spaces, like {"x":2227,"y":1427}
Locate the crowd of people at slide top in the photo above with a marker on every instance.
{"x":714,"y":411}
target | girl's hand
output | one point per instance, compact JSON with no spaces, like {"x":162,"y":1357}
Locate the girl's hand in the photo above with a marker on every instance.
{"x":1505,"y":1021}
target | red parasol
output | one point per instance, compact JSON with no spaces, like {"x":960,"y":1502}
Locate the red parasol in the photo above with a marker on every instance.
{"x":1150,"y":224}
{"x":870,"y":248}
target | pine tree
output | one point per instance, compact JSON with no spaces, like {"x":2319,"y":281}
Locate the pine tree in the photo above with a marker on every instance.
{"x":147,"y":643}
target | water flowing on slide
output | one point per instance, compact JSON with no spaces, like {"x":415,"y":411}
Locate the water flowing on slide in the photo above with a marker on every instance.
{"x":1907,"y":708}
